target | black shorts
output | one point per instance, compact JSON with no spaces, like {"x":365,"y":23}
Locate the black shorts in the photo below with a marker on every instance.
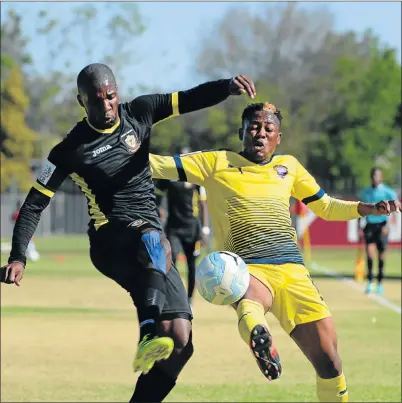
{"x":184,"y":239}
{"x":373,"y":234}
{"x":120,"y":252}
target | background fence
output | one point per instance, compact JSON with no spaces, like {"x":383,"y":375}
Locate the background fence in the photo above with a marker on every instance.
{"x":66,"y":214}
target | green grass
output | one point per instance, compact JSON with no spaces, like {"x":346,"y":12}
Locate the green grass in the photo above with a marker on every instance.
{"x":69,"y":334}
{"x":343,"y":260}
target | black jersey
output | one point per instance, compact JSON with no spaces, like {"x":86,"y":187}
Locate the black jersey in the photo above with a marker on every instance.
{"x":111,"y":169}
{"x":182,"y":202}
{"x":111,"y":166}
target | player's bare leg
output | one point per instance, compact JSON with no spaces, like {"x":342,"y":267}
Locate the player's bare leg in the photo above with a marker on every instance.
{"x":155,"y":385}
{"x":153,"y":347}
{"x":254,"y":330}
{"x":318,"y":341}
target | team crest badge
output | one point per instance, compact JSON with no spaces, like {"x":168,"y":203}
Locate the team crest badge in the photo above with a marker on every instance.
{"x":131,"y":142}
{"x":281,"y":170}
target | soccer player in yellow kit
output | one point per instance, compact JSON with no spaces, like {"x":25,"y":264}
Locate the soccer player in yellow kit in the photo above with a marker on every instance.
{"x":248,"y":199}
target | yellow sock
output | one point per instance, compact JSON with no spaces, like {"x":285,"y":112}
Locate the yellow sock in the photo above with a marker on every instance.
{"x":250,"y":314}
{"x":332,"y":390}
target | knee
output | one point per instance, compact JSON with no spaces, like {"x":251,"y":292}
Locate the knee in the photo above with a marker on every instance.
{"x":328,"y":365}
{"x":371,"y":252}
{"x":183,"y":344}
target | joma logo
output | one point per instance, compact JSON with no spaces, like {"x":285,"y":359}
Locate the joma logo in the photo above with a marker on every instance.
{"x":101,"y":150}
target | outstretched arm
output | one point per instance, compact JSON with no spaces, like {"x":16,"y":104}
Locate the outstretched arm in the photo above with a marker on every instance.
{"x":29,"y":215}
{"x":194,"y":167}
{"x":309,"y":192}
{"x":151,"y":109}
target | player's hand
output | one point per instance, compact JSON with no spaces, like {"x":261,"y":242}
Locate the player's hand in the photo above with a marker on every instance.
{"x":384,"y":230}
{"x":242,"y":85}
{"x":386,"y":207}
{"x":361,"y":234}
{"x":12,"y":273}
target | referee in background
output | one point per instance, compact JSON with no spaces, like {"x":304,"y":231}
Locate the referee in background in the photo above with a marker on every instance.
{"x":375,"y":233}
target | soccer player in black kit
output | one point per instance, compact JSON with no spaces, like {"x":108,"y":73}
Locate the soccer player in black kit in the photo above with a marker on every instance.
{"x":107,"y":156}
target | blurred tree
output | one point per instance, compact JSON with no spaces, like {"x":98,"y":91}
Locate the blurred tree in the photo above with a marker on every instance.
{"x":99,"y":32}
{"x":398,"y":116}
{"x":12,"y":42}
{"x":16,"y":138}
{"x":168,"y":136}
{"x":281,"y":49}
{"x":309,"y":71}
{"x":267,"y":46}
{"x":53,"y":109}
{"x":360,"y":126}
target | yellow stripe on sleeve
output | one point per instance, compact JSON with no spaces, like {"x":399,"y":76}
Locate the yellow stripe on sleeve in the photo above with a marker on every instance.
{"x":43,"y":190}
{"x":175,"y":104}
{"x":175,"y":107}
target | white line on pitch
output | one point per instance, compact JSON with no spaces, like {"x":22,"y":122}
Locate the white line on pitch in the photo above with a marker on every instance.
{"x":381,"y":300}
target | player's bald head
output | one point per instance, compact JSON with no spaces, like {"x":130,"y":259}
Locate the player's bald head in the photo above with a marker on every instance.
{"x":97,"y":93}
{"x":95,"y":75}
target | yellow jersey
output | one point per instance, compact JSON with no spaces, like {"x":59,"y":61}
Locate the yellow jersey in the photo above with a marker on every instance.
{"x":249,"y":203}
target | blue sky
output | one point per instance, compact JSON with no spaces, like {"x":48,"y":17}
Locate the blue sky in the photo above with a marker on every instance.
{"x":174,"y":29}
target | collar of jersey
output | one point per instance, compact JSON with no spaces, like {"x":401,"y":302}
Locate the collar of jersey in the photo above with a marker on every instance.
{"x":261,"y":163}
{"x":104,"y":131}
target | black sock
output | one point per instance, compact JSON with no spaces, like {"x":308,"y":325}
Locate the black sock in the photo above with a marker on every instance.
{"x":380,"y":270}
{"x":152,"y":303}
{"x":153,"y":387}
{"x":369,"y":269}
{"x":191,"y":276}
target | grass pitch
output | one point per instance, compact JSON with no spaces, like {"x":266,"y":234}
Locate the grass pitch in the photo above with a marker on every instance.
{"x":70,"y":334}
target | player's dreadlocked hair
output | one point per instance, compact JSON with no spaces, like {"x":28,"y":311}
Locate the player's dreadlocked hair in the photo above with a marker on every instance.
{"x":93,"y":75}
{"x":262,"y":106}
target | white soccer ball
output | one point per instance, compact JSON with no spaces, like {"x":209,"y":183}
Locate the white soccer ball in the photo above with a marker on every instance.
{"x":222,"y":278}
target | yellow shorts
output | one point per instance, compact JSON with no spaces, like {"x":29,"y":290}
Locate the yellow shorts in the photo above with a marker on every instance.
{"x":296,"y":298}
